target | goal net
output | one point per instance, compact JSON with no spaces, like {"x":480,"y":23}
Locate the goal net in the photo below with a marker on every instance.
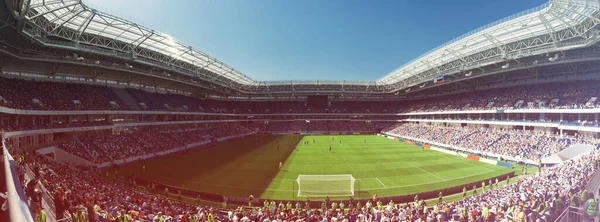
{"x":325,"y":185}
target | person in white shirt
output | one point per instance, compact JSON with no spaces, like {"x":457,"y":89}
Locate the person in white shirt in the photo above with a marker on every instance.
{"x":361,"y":217}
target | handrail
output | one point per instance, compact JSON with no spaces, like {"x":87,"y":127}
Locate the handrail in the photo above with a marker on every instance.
{"x":17,"y":206}
{"x":562,"y":215}
{"x":46,"y":201}
{"x":570,"y":214}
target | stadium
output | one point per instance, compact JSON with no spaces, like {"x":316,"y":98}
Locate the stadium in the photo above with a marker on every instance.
{"x":104,"y":119}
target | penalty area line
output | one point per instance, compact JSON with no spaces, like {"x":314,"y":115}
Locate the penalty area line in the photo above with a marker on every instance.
{"x":384,"y":186}
{"x":426,"y":171}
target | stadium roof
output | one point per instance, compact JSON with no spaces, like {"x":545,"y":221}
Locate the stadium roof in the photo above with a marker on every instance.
{"x":548,"y":18}
{"x":73,"y":14}
{"x":551,"y":27}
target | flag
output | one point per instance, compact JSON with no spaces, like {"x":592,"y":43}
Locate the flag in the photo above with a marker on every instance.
{"x":440,"y":79}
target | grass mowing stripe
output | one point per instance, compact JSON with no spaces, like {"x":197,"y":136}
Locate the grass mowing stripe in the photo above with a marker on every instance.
{"x":250,"y":166}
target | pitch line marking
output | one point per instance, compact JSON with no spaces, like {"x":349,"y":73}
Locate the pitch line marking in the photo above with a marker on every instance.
{"x":227,"y":167}
{"x":425,"y":171}
{"x":426,"y":183}
{"x":384,"y":186}
{"x":286,"y":190}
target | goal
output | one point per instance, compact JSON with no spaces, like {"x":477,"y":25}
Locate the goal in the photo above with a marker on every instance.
{"x":325,"y":185}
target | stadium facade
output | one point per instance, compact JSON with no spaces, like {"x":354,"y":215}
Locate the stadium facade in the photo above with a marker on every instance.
{"x":149,"y":78}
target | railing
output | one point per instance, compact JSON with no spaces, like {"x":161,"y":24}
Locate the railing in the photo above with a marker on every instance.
{"x":47,"y":201}
{"x":17,"y":204}
{"x":66,"y":217}
{"x":594,"y":183}
{"x":574,"y":213}
{"x":570,"y":214}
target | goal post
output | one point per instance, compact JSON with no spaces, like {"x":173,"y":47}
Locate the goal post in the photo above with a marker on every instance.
{"x":325,"y":185}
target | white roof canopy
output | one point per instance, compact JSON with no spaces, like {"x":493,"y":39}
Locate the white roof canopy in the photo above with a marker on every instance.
{"x":543,"y":20}
{"x":535,"y":31}
{"x":74,"y":15}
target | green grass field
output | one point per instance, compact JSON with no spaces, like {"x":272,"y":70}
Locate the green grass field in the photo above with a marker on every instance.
{"x":250,"y":166}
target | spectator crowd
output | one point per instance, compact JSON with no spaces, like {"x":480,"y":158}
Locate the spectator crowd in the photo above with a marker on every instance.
{"x":133,"y":142}
{"x":46,"y":95}
{"x":86,"y":195}
{"x":514,"y":143}
{"x":334,"y":127}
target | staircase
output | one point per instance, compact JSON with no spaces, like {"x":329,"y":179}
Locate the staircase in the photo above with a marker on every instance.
{"x":129,"y":101}
{"x":468,"y":135}
{"x":591,"y":101}
{"x":83,"y":147}
{"x":505,"y":135}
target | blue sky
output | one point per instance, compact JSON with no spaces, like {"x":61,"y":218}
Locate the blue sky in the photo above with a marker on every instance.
{"x":314,"y":39}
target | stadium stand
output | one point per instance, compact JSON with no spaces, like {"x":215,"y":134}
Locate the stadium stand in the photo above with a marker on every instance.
{"x":527,"y":89}
{"x":70,"y":186}
{"x":323,"y":127}
{"x":515,"y":143}
{"x":101,"y":148}
{"x":54,"y":125}
{"x":85,"y":193}
{"x":41,"y":95}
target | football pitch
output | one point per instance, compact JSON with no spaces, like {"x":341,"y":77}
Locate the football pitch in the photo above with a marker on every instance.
{"x":250,"y":166}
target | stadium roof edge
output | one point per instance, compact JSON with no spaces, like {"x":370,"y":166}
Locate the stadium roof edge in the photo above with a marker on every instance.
{"x":545,"y":25}
{"x":553,"y":8}
{"x":516,"y":15}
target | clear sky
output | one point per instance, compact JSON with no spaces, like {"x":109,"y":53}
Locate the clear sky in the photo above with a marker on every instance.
{"x":314,"y":39}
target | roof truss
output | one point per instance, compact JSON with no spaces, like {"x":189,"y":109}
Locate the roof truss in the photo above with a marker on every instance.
{"x":552,"y":27}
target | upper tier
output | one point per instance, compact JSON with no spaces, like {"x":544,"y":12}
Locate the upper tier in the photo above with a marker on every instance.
{"x":39,"y":95}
